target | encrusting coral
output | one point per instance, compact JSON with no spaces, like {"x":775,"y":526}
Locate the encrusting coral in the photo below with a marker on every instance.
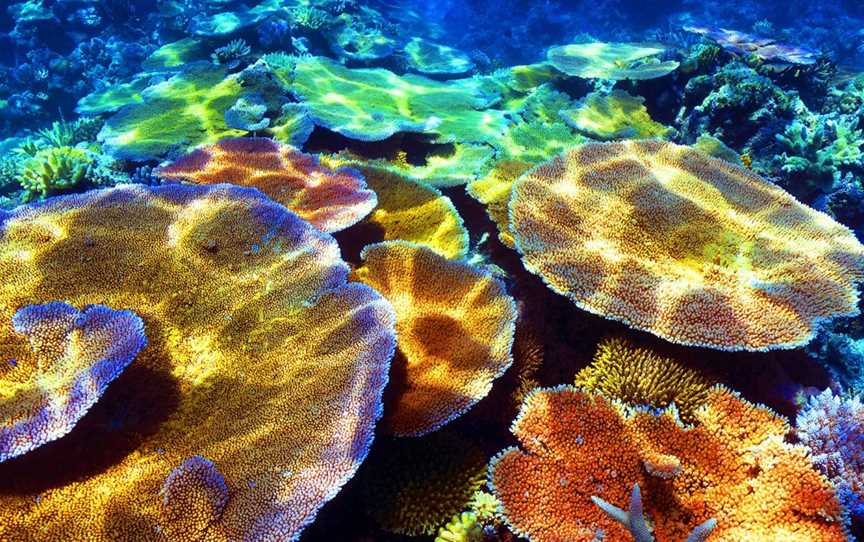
{"x":330,"y":200}
{"x":56,"y":366}
{"x":455,"y":324}
{"x":690,"y":248}
{"x":413,"y":486}
{"x":833,"y":428}
{"x":638,"y":376}
{"x":731,"y":466}
{"x":261,"y":359}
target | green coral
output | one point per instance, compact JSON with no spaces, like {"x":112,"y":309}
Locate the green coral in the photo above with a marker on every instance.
{"x":112,"y":98}
{"x":54,"y":170}
{"x":464,"y":527}
{"x":184,"y":111}
{"x":600,"y":60}
{"x":231,"y":53}
{"x":425,"y":56}
{"x":613,"y":116}
{"x":177,"y":54}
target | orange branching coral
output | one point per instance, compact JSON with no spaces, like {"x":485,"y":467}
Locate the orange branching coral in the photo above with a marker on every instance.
{"x":261,"y":359}
{"x":331,"y":200}
{"x":732,"y":466}
{"x":416,"y":212}
{"x":638,"y":376}
{"x":690,"y":248}
{"x":63,"y":361}
{"x":493,"y":191}
{"x":455,"y":324}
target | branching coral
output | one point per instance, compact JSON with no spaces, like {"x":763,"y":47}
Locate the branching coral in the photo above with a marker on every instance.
{"x":833,"y":428}
{"x":599,"y":60}
{"x":331,"y":200}
{"x":463,"y":527}
{"x":261,"y":358}
{"x":54,"y":170}
{"x":690,"y":248}
{"x":612,"y":116}
{"x":455,"y":324}
{"x":638,"y":376}
{"x":413,"y":486}
{"x":61,"y":364}
{"x":732,"y":465}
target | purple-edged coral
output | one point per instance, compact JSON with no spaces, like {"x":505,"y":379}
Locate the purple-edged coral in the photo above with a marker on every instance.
{"x":833,"y":428}
{"x":765,"y":48}
{"x":261,"y":357}
{"x":74,"y":356}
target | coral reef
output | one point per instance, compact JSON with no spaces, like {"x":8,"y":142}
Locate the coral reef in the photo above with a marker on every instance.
{"x":732,"y":466}
{"x":455,"y":323}
{"x":58,"y":366}
{"x":654,"y":235}
{"x":330,"y":200}
{"x":232,"y":287}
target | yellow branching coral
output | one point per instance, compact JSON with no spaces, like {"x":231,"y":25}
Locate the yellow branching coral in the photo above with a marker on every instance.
{"x":61,"y":363}
{"x":638,"y":376}
{"x":455,"y":324}
{"x":732,"y":466}
{"x":261,"y":359}
{"x":494,"y":189}
{"x":413,"y":211}
{"x":463,"y":527}
{"x":688,"y":247}
{"x":413,"y":486}
{"x":612,"y":116}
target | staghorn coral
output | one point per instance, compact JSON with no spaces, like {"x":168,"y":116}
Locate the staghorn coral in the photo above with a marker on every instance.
{"x":733,"y":466}
{"x":413,"y":486}
{"x":455,"y":324}
{"x":638,"y":376}
{"x":57,"y":367}
{"x":599,"y":60}
{"x":687,"y":247}
{"x":261,"y":358}
{"x":331,"y":200}
{"x":833,"y":428}
{"x":613,"y":116}
{"x":415,"y":212}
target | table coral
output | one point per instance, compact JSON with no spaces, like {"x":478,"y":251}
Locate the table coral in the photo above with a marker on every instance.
{"x":416,"y":212}
{"x":494,"y":189}
{"x":638,"y":376}
{"x":413,"y":486}
{"x":455,"y":324}
{"x":261,"y":359}
{"x":690,"y":248}
{"x":58,"y":364}
{"x":184,"y":111}
{"x":600,"y":60}
{"x":833,"y":428}
{"x":733,"y":466}
{"x":330,"y":200}
{"x":612,"y":116}
{"x":763,"y":48}
{"x":425,"y":56}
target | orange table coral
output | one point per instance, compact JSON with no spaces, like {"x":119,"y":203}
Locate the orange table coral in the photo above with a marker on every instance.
{"x":732,"y":466}
{"x":331,"y":200}
{"x":690,"y":248}
{"x":59,"y":364}
{"x":455,"y":324}
{"x":256,"y":397}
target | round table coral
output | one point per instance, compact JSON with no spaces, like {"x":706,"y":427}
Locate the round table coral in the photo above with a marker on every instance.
{"x":687,"y":247}
{"x":258,"y":392}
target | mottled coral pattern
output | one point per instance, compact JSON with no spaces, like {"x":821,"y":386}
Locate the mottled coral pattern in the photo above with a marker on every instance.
{"x":56,"y":365}
{"x":331,"y":200}
{"x":690,"y":248}
{"x":733,"y":465}
{"x":455,"y":324}
{"x":260,"y":359}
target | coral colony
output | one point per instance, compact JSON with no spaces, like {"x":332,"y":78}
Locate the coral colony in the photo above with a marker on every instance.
{"x":325,"y":270}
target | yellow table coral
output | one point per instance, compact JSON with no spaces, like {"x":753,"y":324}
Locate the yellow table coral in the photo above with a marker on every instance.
{"x":455,"y":324}
{"x":600,"y":60}
{"x":615,"y":115}
{"x":690,"y":248}
{"x":256,"y":397}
